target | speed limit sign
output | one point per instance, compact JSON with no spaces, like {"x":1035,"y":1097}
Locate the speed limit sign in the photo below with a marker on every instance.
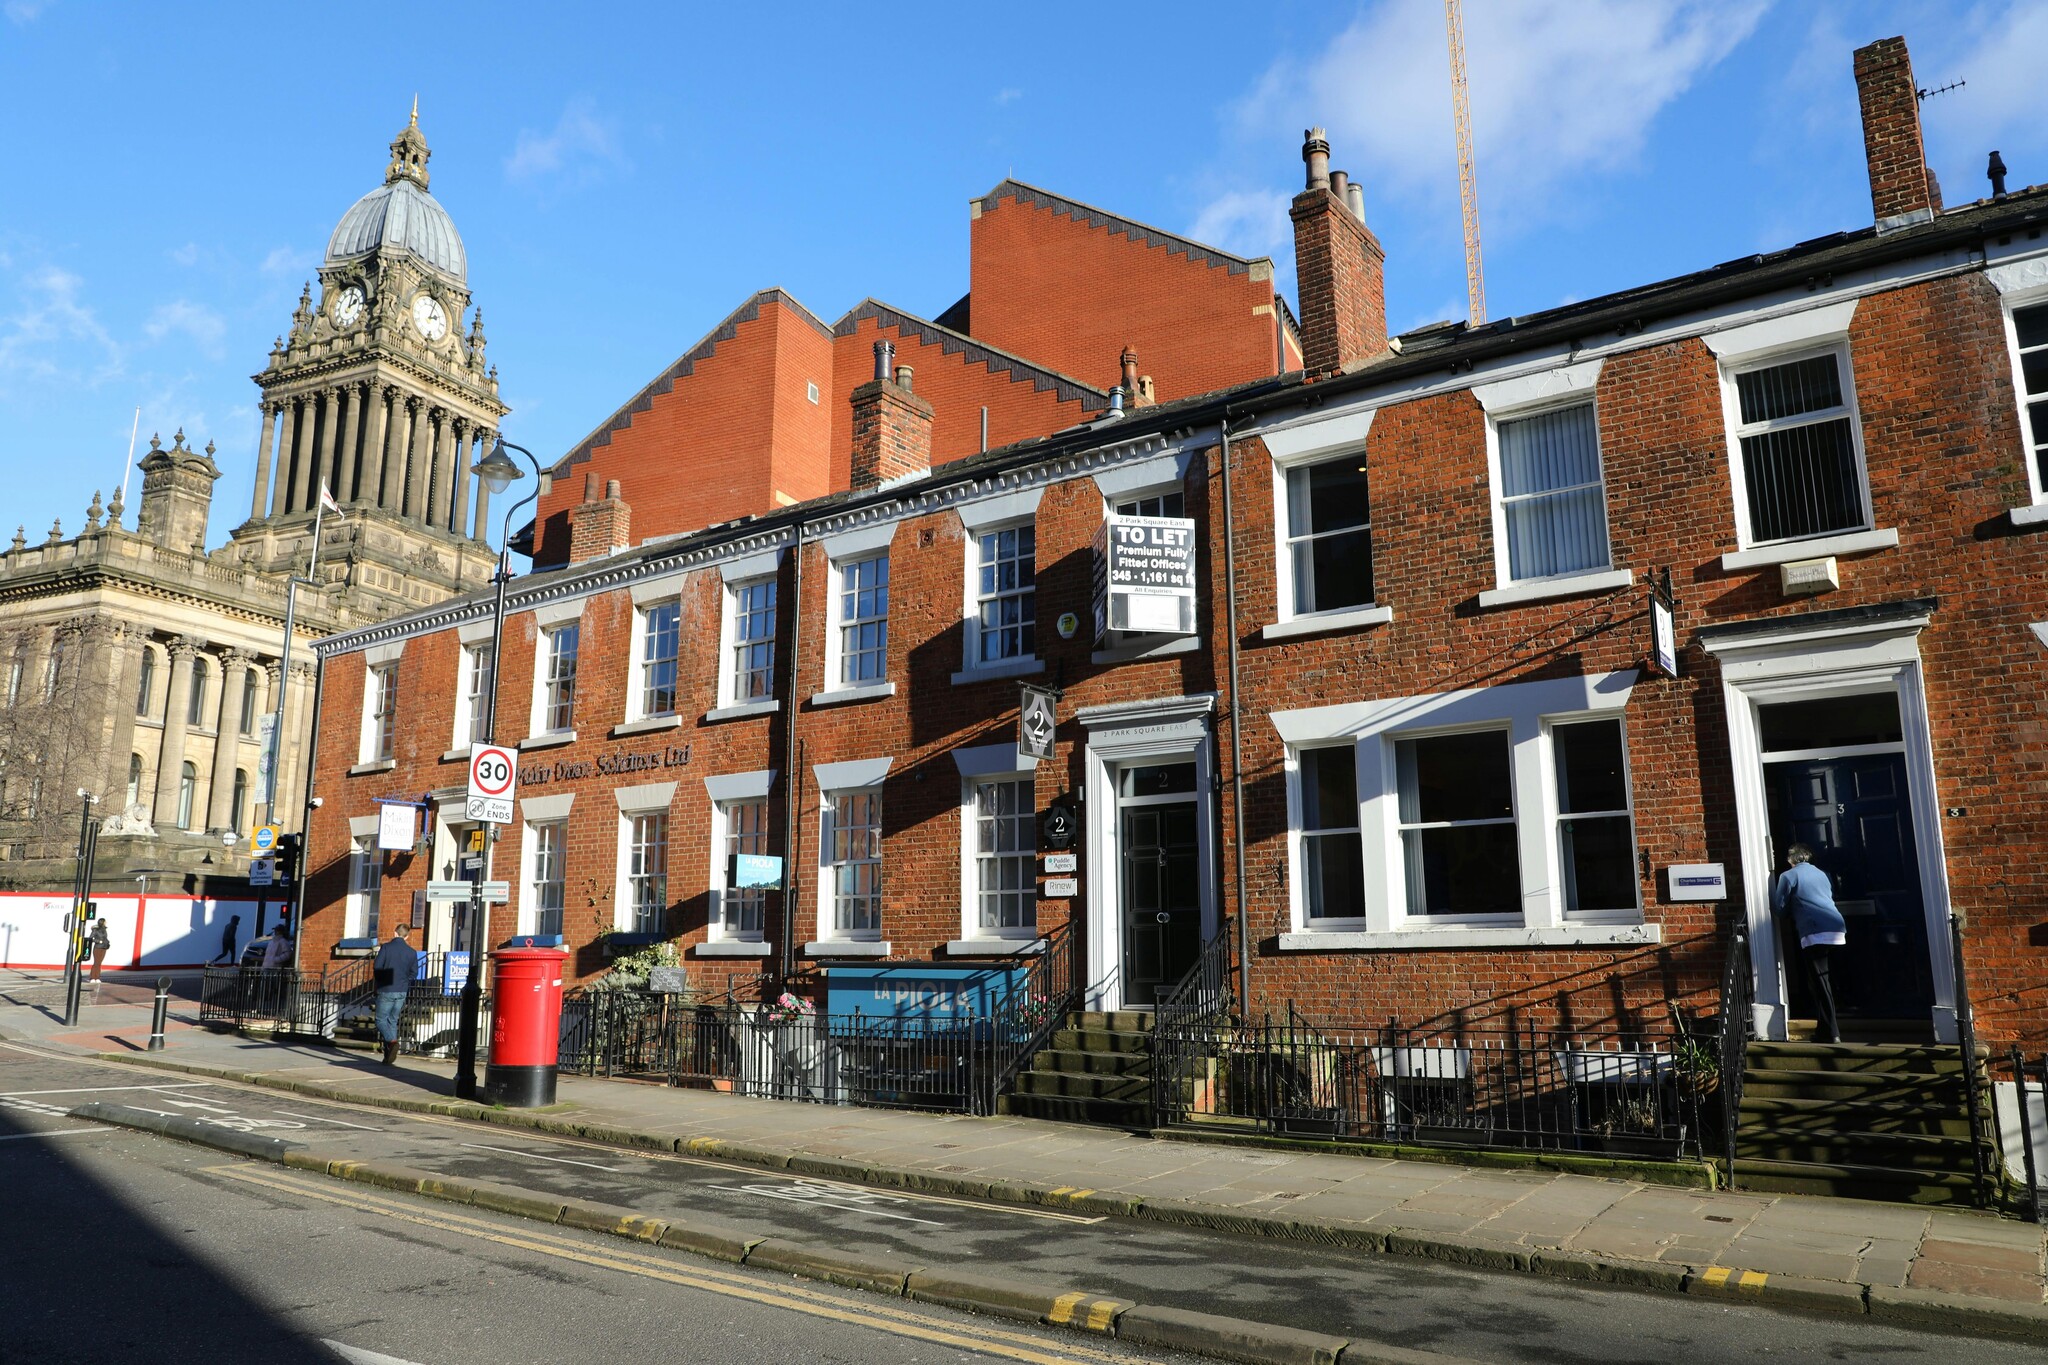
{"x":493,"y":776}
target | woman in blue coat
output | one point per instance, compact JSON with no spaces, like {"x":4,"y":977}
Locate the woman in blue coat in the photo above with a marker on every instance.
{"x":1804,"y":892}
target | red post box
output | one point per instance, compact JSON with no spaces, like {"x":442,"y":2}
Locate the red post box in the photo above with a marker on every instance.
{"x":526,"y":1026}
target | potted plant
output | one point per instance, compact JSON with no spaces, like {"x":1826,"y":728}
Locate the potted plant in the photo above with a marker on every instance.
{"x":1697,"y":1063}
{"x":1632,"y":1127}
{"x":1438,"y":1114}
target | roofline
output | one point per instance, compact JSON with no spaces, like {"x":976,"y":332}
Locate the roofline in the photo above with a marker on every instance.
{"x":1145,"y":233}
{"x":953,"y":342}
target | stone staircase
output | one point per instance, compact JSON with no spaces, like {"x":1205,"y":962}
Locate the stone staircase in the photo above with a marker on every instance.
{"x":1871,"y":1121}
{"x":1098,"y":1069}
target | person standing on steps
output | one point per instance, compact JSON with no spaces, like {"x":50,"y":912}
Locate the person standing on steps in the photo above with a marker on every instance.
{"x":1804,"y":892}
{"x":393,"y":971}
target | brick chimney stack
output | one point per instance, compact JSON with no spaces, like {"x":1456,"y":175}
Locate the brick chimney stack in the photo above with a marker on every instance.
{"x":1340,"y":270}
{"x":892,"y":426}
{"x":1903,"y":190}
{"x":602,"y":524}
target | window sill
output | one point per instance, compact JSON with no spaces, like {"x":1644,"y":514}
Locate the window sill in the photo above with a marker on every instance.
{"x":1008,"y":668}
{"x":848,"y":947}
{"x":621,"y":940}
{"x":1321,"y":622}
{"x":1820,"y":547}
{"x":2035,"y":514}
{"x":375,"y":765}
{"x":356,"y":947}
{"x":455,"y":756}
{"x":995,"y":947}
{"x":552,"y":739}
{"x":731,"y":947}
{"x":839,"y":696}
{"x":1542,"y":589}
{"x":1148,"y":649}
{"x":648,"y":726}
{"x":1550,"y":936}
{"x":741,"y":710}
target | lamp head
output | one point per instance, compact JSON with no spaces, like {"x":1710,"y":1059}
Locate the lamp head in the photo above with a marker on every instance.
{"x":496,"y":469}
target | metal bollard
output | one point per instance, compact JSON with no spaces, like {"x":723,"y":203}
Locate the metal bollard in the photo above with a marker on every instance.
{"x":158,"y":1014}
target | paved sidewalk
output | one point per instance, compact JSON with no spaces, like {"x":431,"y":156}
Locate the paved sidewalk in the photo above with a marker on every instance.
{"x":1932,"y":1265}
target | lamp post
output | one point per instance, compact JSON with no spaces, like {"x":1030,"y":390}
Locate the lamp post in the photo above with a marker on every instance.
{"x":74,"y":948}
{"x":498,"y":472}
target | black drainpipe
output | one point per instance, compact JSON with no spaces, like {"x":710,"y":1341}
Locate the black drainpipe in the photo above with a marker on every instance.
{"x":1244,"y":960}
{"x":792,"y":788}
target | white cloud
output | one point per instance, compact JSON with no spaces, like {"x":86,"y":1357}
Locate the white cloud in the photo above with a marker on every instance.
{"x":284,"y":260}
{"x":186,"y":255}
{"x":24,"y":11}
{"x":1559,"y":89}
{"x":50,"y":335}
{"x":204,"y":326}
{"x":581,"y":148}
{"x":1247,"y":222}
{"x":1009,"y":95}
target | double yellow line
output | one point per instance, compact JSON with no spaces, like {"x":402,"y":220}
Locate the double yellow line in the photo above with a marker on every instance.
{"x":900,"y":1322}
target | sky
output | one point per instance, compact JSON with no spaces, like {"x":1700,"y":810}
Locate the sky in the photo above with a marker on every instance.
{"x":624,"y":176}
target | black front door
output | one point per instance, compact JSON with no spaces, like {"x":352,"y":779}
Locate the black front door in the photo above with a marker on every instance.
{"x":1856,"y":816}
{"x":1159,"y":883}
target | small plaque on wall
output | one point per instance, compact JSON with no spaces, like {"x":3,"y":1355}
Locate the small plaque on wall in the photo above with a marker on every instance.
{"x":1061,"y":888}
{"x":1697,"y":881}
{"x":1062,"y":862}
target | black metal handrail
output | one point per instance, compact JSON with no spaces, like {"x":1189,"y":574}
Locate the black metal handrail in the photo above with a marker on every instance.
{"x":2032,"y":1210}
{"x":1028,"y":1016}
{"x":1195,"y":1005}
{"x":1738,"y":1024}
{"x":1966,"y":1041}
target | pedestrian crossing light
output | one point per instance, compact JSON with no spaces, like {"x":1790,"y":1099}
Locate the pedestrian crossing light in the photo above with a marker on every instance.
{"x":92,"y":910}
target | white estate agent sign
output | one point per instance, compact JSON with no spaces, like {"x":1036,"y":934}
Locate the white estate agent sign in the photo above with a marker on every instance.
{"x":1145,"y":576}
{"x":493,"y":778}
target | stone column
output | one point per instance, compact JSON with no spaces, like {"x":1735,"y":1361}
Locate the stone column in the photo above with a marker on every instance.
{"x":447,"y":472}
{"x":170,"y":761}
{"x":481,"y":530}
{"x":422,"y":457}
{"x":459,"y":523}
{"x":437,"y":469}
{"x":260,"y":503}
{"x":371,"y":489}
{"x":234,"y":678}
{"x":345,"y":463}
{"x":127,"y":646}
{"x":327,"y":465}
{"x":287,"y":445}
{"x":393,"y":500}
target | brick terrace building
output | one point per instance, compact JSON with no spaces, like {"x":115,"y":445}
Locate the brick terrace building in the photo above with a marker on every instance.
{"x":1416,"y":736}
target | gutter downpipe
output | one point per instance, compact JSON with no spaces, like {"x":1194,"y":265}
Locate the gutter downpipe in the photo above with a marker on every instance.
{"x":792,"y":786}
{"x":1244,"y":961}
{"x":306,"y":813}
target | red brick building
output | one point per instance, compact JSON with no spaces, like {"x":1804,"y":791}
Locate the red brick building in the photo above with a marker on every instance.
{"x":1415,"y":734}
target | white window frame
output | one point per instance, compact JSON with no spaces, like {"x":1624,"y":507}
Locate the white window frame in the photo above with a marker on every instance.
{"x":530,"y":907}
{"x":1514,"y":400}
{"x":835,"y":780}
{"x":365,"y":887}
{"x":378,"y":742}
{"x":544,"y":681}
{"x":1526,"y":711}
{"x":972,"y":854}
{"x":470,"y":708}
{"x":1290,"y":447}
{"x":636,"y":675}
{"x":977,"y":519}
{"x":2015,"y":301}
{"x":975,"y":598}
{"x":1298,"y":833}
{"x":1558,"y":819}
{"x":721,"y":888}
{"x":828,"y":899}
{"x":1732,"y":413}
{"x":729,"y":641}
{"x":837,"y":624}
{"x":654,"y":798}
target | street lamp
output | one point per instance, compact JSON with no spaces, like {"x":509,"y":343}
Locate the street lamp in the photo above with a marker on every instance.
{"x":498,"y":472}
{"x":74,"y":948}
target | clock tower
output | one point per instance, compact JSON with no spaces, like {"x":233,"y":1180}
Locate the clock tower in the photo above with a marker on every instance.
{"x":379,"y":395}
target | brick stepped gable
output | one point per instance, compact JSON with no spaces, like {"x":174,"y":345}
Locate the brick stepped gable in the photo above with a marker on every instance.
{"x":1872,"y":1121}
{"x":1098,"y":1070}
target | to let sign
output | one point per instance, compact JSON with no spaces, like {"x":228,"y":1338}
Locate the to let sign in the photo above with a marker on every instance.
{"x":1145,"y":576}
{"x":493,"y":778}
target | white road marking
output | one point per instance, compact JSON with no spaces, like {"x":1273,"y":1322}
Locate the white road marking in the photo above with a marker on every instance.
{"x":805,"y":1192}
{"x":58,"y":1132}
{"x":537,"y":1156}
{"x":95,"y":1089}
{"x":194,"y":1104}
{"x":321,"y":1118}
{"x":356,"y":1355}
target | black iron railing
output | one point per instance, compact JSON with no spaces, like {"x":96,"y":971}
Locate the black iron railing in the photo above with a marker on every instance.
{"x":1024,"y":1020}
{"x":1966,"y":1042}
{"x":1738,"y":1026}
{"x":1187,"y":1019}
{"x":2028,"y":1079}
{"x":1616,"y":1092}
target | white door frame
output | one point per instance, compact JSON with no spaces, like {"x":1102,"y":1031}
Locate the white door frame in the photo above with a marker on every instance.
{"x":1862,"y":656}
{"x":1170,"y":729}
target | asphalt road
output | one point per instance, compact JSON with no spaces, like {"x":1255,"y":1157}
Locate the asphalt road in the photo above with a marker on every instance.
{"x":370,"y":1268}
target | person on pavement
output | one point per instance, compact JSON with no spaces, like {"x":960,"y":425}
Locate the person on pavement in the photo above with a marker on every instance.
{"x":101,"y":941}
{"x":395,"y":967}
{"x":227,"y":942}
{"x":1804,"y":892}
{"x":279,"y":953}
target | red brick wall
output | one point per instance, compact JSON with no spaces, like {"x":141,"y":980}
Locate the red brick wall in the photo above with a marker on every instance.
{"x":1070,"y":296}
{"x":1899,"y":179}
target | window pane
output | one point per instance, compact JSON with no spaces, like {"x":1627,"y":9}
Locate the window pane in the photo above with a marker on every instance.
{"x":1598,"y":855}
{"x":1160,"y":779}
{"x":1333,"y":875}
{"x":746,"y":831}
{"x":1549,"y":451}
{"x":2031,"y":324}
{"x":1557,"y":533}
{"x":1455,"y":777}
{"x":1327,"y":497}
{"x":1590,"y":771}
{"x":1802,"y":481}
{"x":1006,"y":854}
{"x":1830,"y":722}
{"x":1329,"y":788}
{"x":1333,"y":572}
{"x":1810,"y":385}
{"x":661,"y":635}
{"x":1462,"y":870}
{"x":1172,"y":504}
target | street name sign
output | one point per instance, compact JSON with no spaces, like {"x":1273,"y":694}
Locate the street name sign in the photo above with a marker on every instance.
{"x":493,"y":779}
{"x":497,"y":893}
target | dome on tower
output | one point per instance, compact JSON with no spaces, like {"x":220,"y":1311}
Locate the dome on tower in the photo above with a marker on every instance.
{"x":401,"y":214}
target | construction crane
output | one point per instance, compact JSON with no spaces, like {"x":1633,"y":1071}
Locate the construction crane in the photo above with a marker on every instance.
{"x":1468,"y":182}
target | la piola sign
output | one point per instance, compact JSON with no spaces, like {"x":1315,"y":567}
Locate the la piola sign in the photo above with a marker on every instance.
{"x":1145,"y":576}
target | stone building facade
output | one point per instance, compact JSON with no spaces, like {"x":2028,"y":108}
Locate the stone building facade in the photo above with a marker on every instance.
{"x":143,"y":667}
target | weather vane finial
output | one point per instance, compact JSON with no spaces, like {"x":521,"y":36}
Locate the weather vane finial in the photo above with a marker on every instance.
{"x":415,"y":109}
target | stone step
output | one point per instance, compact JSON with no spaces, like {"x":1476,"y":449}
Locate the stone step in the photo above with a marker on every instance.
{"x":1851,"y":1181}
{"x":1116,"y":1021}
{"x":1903,"y":1087}
{"x":1918,"y":1152}
{"x":1868,"y":1059}
{"x":1791,"y":1115}
{"x":1105,"y":1063}
{"x":1133,"y":1088}
{"x":1101,"y":1040}
{"x":1075,"y":1109}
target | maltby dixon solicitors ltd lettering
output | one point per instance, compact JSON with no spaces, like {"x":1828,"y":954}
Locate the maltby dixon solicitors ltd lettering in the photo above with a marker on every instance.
{"x":570,"y":769}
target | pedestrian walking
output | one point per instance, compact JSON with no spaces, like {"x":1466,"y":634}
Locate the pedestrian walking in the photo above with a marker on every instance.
{"x":101,"y":941}
{"x":227,"y":942}
{"x":1805,"y":894}
{"x":279,"y":953}
{"x":396,"y":965}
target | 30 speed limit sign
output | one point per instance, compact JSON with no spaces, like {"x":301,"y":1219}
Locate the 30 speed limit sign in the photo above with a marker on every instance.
{"x":493,"y":776}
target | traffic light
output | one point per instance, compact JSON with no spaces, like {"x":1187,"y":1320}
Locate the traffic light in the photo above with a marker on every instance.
{"x":92,"y":910}
{"x":288,"y":847}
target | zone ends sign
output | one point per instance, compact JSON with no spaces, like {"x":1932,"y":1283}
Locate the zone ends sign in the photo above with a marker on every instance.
{"x":493,"y":780}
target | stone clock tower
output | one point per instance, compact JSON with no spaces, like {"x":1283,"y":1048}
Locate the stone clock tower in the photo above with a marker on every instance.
{"x":379,"y":394}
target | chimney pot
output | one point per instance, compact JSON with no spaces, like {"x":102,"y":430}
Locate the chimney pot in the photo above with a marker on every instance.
{"x":1340,"y":185}
{"x":1996,"y":170}
{"x":884,"y":354}
{"x":1355,"y":199}
{"x":611,"y":490}
{"x":592,"y":482}
{"x":601,"y":526}
{"x":1315,"y":150}
{"x":1128,"y":365}
{"x":902,"y":376}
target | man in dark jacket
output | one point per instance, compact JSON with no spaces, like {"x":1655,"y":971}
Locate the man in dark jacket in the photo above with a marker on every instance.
{"x":394,"y":969}
{"x":1804,"y":892}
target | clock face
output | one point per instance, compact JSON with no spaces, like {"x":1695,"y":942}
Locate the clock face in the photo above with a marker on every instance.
{"x":348,"y":307}
{"x":429,"y":317}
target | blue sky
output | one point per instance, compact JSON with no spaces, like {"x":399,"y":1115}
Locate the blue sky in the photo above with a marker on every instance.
{"x":624,"y":176}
